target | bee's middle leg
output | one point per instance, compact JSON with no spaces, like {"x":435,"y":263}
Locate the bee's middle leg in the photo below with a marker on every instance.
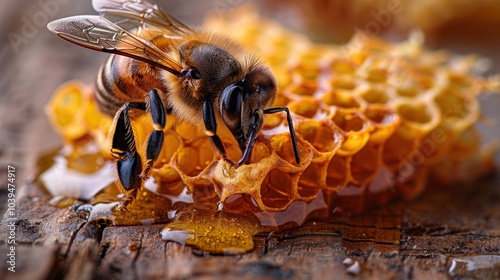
{"x":155,"y":141}
{"x":211,"y":129}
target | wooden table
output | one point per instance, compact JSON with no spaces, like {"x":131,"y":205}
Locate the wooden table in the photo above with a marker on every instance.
{"x":442,"y":230}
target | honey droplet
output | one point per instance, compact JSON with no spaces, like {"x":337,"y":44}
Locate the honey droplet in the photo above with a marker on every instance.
{"x":218,"y":233}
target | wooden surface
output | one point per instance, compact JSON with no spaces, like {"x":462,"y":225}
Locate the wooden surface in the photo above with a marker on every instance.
{"x":414,"y":240}
{"x":421,"y":239}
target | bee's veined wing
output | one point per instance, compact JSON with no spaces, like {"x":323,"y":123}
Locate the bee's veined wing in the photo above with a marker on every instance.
{"x":99,"y":34}
{"x":137,"y":15}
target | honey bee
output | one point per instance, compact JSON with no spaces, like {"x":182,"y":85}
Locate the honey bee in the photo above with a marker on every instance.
{"x":160,"y":66}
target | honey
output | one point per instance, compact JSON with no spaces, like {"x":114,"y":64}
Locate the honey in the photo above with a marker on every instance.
{"x":373,"y":121}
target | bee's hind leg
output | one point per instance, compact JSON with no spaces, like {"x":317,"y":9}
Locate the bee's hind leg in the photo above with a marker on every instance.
{"x":155,"y":141}
{"x":123,"y":148}
{"x":129,"y":165}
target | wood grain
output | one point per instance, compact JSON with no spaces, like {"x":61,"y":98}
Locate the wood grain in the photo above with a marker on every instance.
{"x":402,"y":240}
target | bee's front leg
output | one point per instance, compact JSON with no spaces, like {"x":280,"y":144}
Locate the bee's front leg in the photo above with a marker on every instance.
{"x":290,"y":127}
{"x":254,"y":125}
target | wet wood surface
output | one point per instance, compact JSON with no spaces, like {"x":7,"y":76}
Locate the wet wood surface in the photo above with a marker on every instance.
{"x":400,"y":240}
{"x":432,"y":237}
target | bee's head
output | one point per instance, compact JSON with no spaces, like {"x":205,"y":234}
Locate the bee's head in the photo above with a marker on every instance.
{"x":241,"y":87}
{"x":242,"y":102}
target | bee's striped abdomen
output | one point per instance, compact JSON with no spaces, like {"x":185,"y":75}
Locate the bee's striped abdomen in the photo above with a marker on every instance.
{"x":122,"y":79}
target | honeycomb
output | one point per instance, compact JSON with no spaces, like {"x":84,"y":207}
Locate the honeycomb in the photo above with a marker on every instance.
{"x":369,"y":116}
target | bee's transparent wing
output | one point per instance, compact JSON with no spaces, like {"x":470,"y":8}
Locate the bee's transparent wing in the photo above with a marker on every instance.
{"x":137,"y":15}
{"x":99,"y":34}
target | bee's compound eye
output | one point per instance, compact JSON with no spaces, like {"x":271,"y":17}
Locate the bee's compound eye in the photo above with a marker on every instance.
{"x":191,"y":73}
{"x":195,"y":74}
{"x":231,"y":100}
